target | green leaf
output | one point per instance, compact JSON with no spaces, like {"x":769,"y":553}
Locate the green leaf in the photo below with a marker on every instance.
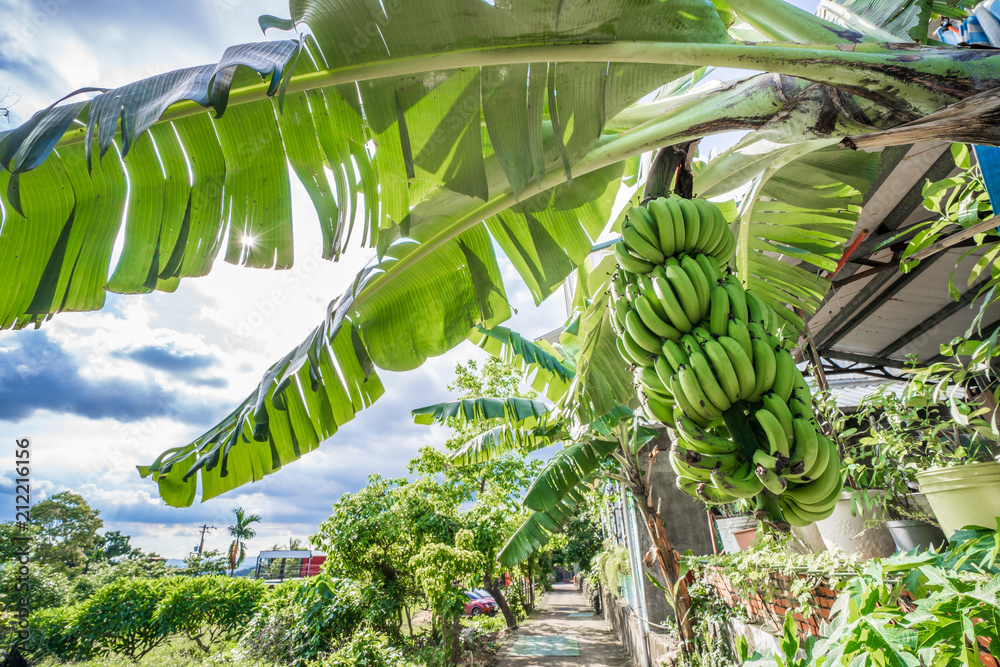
{"x":565,"y":471}
{"x":520,"y":411}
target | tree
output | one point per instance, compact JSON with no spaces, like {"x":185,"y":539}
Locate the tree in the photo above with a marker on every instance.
{"x":372,"y":535}
{"x":241,"y":533}
{"x":544,"y":184}
{"x":113,"y":546}
{"x":67,"y":528}
{"x":201,"y":564}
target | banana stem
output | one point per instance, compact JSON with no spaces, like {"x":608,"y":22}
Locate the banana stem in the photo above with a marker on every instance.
{"x":739,"y":427}
{"x":769,"y":512}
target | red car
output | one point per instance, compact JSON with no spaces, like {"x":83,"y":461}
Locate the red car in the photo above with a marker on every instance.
{"x":479,"y":603}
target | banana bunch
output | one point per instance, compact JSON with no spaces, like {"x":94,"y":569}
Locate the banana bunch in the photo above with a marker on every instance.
{"x":707,"y":359}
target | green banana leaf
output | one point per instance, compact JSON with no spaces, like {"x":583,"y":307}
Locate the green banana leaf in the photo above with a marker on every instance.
{"x":519,"y":411}
{"x":564,"y":472}
{"x":537,"y":80}
{"x":537,"y":530}
{"x":494,"y":442}
{"x":546,"y":371}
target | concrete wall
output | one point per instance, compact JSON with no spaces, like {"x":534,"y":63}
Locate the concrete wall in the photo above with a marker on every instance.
{"x":626,"y":627}
{"x":685,"y":521}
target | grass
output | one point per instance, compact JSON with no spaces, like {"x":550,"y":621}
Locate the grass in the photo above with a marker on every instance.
{"x":176,"y":652}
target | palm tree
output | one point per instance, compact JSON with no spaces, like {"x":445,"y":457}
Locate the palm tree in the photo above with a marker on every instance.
{"x":462,"y":126}
{"x":241,"y":533}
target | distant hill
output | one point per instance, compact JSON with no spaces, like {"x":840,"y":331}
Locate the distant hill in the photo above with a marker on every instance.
{"x":174,"y":562}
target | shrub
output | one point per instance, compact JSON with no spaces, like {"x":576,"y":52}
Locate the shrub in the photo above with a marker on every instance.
{"x":207,"y":609}
{"x":55,"y":632}
{"x":46,"y":587}
{"x":365,"y":648}
{"x":300,"y":621}
{"x":121,"y":617}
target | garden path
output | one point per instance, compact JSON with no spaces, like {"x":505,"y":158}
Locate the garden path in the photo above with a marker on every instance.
{"x":563,"y":632}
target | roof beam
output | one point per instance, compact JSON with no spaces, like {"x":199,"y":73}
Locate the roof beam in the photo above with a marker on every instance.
{"x":940,"y":357}
{"x":862,"y":358}
{"x":937,"y":318}
{"x":833,"y":331}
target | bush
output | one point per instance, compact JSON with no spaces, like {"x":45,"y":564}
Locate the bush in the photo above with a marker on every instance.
{"x":302,"y":620}
{"x":122,"y":617}
{"x":365,"y":648}
{"x":46,"y":587}
{"x":101,"y":574}
{"x":207,"y":609}
{"x":55,"y":632}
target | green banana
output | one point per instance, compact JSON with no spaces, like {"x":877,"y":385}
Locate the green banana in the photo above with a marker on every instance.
{"x":641,"y":333}
{"x":723,"y":368}
{"x":757,"y":310}
{"x":784,"y":374}
{"x":763,"y":459}
{"x":663,"y":218}
{"x":777,"y":442}
{"x":741,"y":484}
{"x":825,"y":454}
{"x":718,"y":311}
{"x":710,"y":268}
{"x":745,"y":376}
{"x":677,"y":216}
{"x":738,"y":297}
{"x":817,"y":490}
{"x":797,"y":516}
{"x":696,"y":459}
{"x":635,"y":351}
{"x":706,"y":216}
{"x":669,"y":301}
{"x":702,"y":288}
{"x":675,"y":356}
{"x":773,"y":404}
{"x":620,"y":344}
{"x":695,"y":395}
{"x":806,"y":446}
{"x":709,"y":384}
{"x":684,"y":469}
{"x":659,"y":410}
{"x":687,"y":485}
{"x":684,"y":289}
{"x":711,"y":444}
{"x":771,"y":481}
{"x":648,"y":377}
{"x":687,"y":408}
{"x":828,"y":501}
{"x":688,"y":430}
{"x":618,"y":285}
{"x":738,"y":331}
{"x":630,"y":262}
{"x":647,"y":314}
{"x":644,"y":285}
{"x":640,"y":218}
{"x":764,"y":368}
{"x":641,"y":246}
{"x":622,"y":306}
{"x":713,"y":496}
{"x":719,"y":227}
{"x":692,"y":222}
{"x":724,"y":253}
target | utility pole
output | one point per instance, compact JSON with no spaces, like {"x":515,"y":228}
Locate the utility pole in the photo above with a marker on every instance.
{"x":204,"y":529}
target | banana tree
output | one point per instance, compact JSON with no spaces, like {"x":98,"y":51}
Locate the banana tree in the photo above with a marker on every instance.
{"x":441,"y":132}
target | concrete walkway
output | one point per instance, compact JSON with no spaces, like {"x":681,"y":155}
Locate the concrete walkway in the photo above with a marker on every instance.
{"x":560,"y":633}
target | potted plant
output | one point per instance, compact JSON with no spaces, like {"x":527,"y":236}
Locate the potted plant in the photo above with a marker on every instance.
{"x":960,"y":476}
{"x":881,"y":466}
{"x":857,"y":525}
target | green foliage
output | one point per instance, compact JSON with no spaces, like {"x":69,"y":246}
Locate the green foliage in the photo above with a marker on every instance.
{"x":113,"y":546}
{"x":710,"y":617}
{"x":122,"y":617}
{"x":12,"y":538}
{"x":365,"y":648}
{"x":610,"y":568}
{"x":45,"y":586}
{"x":301,"y":621}
{"x":583,"y":540}
{"x":201,"y":564}
{"x":67,"y":530}
{"x":55,"y":632}
{"x":208,"y":609}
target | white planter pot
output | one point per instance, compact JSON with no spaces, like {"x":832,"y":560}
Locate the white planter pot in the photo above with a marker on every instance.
{"x":810,"y":538}
{"x":728,"y":525}
{"x":843,"y":531}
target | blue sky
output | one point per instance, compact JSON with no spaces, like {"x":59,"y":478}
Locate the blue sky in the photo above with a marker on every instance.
{"x":99,"y":393}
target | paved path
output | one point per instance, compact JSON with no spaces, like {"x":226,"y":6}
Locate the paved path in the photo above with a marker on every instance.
{"x":554,"y":636}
